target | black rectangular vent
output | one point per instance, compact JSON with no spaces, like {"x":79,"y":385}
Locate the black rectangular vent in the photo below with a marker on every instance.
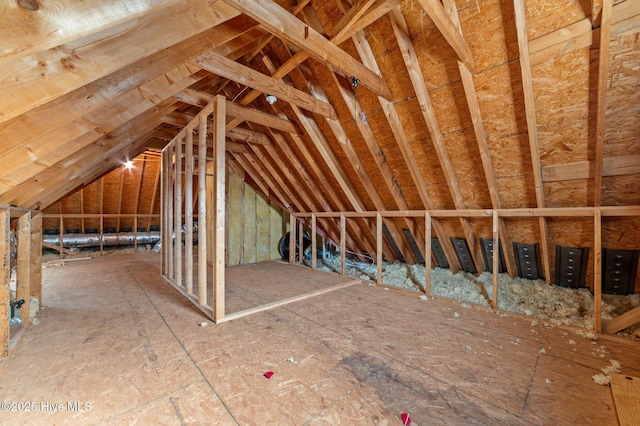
{"x":528,"y":260}
{"x":393,"y":244}
{"x":464,"y":255}
{"x":436,"y":249}
{"x":414,"y":246}
{"x":571,"y":266}
{"x":619,"y":269}
{"x":487,"y":253}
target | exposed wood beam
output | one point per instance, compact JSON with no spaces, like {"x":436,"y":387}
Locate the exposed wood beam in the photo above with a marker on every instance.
{"x":381,"y":8}
{"x":443,"y":22}
{"x":106,"y":92}
{"x":311,"y":194}
{"x":380,"y":161}
{"x":361,"y":229}
{"x":246,"y":135}
{"x":25,"y":33}
{"x":611,"y":166}
{"x":375,"y":12}
{"x":532,"y":130}
{"x":25,"y":87}
{"x":404,"y":146}
{"x":120,"y":140}
{"x":259,"y":117}
{"x":412,"y":64}
{"x":62,"y":141}
{"x":601,"y":102}
{"x":105,"y":163}
{"x":625,"y":18}
{"x":351,"y":17}
{"x":268,"y":37}
{"x":287,"y":27}
{"x":263,"y":181}
{"x":233,"y":110}
{"x":481,"y":139}
{"x":328,"y":156}
{"x":239,"y":73}
{"x":360,"y":171}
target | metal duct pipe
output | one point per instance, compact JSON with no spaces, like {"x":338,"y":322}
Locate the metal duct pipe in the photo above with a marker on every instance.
{"x":110,"y":239}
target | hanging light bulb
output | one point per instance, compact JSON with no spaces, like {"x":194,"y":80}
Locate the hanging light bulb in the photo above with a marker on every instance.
{"x":271,"y":99}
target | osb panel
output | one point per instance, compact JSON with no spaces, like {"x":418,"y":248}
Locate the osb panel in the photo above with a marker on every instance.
{"x":380,"y":127}
{"x":369,"y":164}
{"x":345,"y":164}
{"x":72,"y":205}
{"x":561,"y":89}
{"x":451,"y":108}
{"x":489,"y":29}
{"x":510,"y":156}
{"x":622,"y":128}
{"x":91,"y":198}
{"x":440,"y":196}
{"x":501,"y":101}
{"x":523,"y":230}
{"x":621,"y":233}
{"x":543,"y":17}
{"x":439,"y":61}
{"x":621,"y":190}
{"x":475,"y":193}
{"x":130,"y":185}
{"x":111,"y":192}
{"x":568,"y":193}
{"x":516,"y":191}
{"x":381,"y":38}
{"x":465,"y":157}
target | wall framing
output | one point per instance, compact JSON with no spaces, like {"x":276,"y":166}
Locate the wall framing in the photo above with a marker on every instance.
{"x":28,"y":271}
{"x":179,"y":263}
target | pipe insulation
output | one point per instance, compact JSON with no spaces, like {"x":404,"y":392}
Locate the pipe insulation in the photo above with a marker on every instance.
{"x":109,"y":239}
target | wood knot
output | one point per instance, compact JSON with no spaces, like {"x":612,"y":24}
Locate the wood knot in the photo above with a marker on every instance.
{"x":29,"y":4}
{"x":66,"y":62}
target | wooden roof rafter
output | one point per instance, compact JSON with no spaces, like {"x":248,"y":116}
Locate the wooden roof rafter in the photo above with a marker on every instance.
{"x":481,"y":139}
{"x":322,"y":146}
{"x":443,"y":22}
{"x":91,"y":127}
{"x":268,"y":37}
{"x":415,"y":74}
{"x":362,"y":45}
{"x":89,"y":157}
{"x":360,"y":171}
{"x":380,"y":161}
{"x":310,"y":191}
{"x":532,"y":131}
{"x":97,"y":60}
{"x":601,"y":102}
{"x":276,"y":19}
{"x":242,"y":74}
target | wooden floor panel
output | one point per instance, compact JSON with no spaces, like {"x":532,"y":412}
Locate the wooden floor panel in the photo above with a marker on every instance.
{"x":117,"y":336}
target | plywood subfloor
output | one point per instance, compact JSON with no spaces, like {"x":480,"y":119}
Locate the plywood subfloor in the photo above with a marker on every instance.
{"x":115,"y":335}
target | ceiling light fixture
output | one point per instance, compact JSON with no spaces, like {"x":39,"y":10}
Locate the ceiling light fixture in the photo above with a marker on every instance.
{"x":128,"y":165}
{"x":271,"y":99}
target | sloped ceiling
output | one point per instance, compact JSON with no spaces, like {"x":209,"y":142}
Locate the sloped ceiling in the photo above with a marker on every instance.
{"x":383,"y":104}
